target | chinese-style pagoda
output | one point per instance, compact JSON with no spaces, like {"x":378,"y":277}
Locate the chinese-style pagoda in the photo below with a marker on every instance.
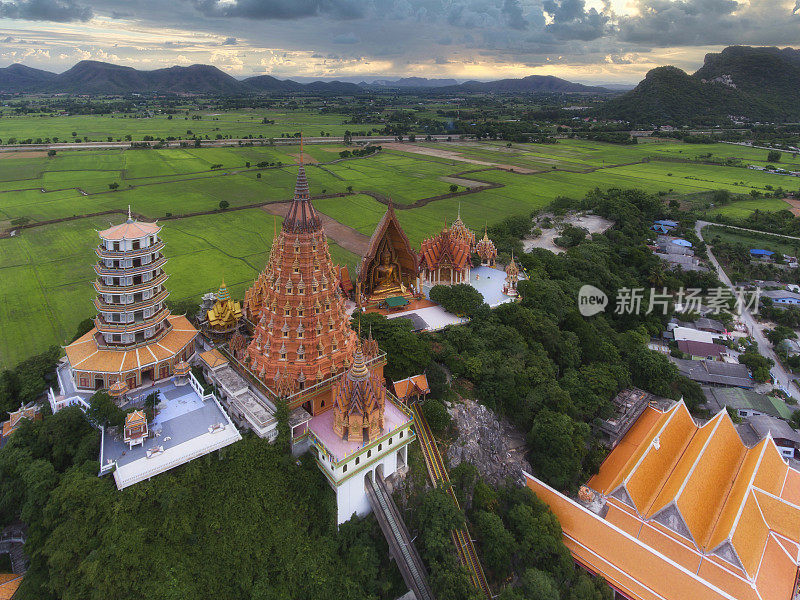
{"x":135,"y":338}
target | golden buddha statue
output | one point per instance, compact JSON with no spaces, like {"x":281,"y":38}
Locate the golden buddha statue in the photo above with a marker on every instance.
{"x":386,"y":275}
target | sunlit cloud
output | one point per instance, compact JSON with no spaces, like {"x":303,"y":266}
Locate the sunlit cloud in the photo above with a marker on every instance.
{"x":592,"y":41}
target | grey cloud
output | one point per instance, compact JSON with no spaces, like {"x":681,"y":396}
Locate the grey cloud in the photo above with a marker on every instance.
{"x":280,"y":9}
{"x":663,"y":22}
{"x":8,"y":40}
{"x":346,"y":38}
{"x":796,"y":7}
{"x":571,"y":20}
{"x":514,"y":16}
{"x":230,"y":41}
{"x":61,"y":11}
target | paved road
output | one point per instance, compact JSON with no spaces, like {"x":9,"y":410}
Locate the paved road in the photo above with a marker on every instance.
{"x":784,"y":378}
{"x":375,"y":139}
{"x":788,"y":237}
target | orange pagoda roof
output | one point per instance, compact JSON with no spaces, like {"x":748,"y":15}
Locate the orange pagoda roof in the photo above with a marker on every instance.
{"x":84,"y":354}
{"x":448,"y":248}
{"x":689,"y":512}
{"x":129,"y":230}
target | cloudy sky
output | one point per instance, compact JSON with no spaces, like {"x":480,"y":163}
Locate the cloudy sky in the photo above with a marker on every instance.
{"x":593,"y":41}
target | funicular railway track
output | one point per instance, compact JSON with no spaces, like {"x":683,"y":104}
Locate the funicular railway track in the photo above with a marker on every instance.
{"x":438,"y":474}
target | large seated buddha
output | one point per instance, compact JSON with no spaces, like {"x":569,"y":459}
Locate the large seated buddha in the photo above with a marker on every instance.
{"x":390,"y":266}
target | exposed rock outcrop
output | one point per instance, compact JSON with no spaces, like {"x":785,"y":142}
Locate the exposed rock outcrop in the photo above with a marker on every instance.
{"x":495,"y":447}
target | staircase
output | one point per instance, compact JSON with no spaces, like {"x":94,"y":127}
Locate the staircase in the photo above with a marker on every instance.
{"x":439,"y":476}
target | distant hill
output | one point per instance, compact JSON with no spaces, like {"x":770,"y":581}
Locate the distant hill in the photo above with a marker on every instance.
{"x":411,"y":82}
{"x":531,"y":83}
{"x":268,"y":83}
{"x":760,"y":84}
{"x":94,"y":77}
{"x":18,"y":78}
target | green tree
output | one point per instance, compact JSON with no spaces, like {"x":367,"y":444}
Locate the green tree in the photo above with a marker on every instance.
{"x":497,"y":544}
{"x":773,"y":156}
{"x":103,"y":411}
{"x":557,"y":447}
{"x":223,"y":204}
{"x":461,"y":299}
{"x":436,"y":414}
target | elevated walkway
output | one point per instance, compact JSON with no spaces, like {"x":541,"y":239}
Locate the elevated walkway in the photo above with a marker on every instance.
{"x":396,"y":534}
{"x":439,"y":476}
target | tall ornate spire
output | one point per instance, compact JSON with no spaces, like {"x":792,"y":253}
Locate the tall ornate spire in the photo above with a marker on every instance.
{"x":302,"y":217}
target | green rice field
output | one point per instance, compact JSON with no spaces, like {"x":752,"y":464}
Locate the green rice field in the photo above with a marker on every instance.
{"x":45,"y":271}
{"x":235,"y":124}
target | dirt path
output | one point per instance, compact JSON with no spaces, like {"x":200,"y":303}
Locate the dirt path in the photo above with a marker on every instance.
{"x":795,"y":204}
{"x":347,"y":237}
{"x":449,"y":154}
{"x":23,"y":154}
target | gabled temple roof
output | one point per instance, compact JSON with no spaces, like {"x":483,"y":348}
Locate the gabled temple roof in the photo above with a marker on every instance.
{"x":690,"y":512}
{"x":703,"y":484}
{"x":416,"y":384}
{"x":388,"y":223}
{"x":445,"y":248}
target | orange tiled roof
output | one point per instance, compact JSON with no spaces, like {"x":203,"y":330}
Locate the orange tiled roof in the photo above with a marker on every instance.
{"x":416,"y":384}
{"x":447,"y":248}
{"x":84,"y":355}
{"x":135,"y":418}
{"x":213,"y":358}
{"x":9,"y":582}
{"x":130,"y":230}
{"x":692,"y":496}
{"x":15,"y":417}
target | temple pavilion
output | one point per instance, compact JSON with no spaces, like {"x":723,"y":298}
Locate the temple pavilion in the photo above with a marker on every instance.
{"x":486,"y":250}
{"x":224,"y":315}
{"x":445,"y":259}
{"x":135,"y":338}
{"x":680,"y":510}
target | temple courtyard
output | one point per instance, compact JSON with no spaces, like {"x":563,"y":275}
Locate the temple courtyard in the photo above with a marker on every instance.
{"x":186,"y":426}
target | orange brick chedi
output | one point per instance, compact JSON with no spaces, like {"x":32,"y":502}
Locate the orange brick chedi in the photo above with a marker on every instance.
{"x":359,"y":402}
{"x":302,"y":333}
{"x":681,"y":511}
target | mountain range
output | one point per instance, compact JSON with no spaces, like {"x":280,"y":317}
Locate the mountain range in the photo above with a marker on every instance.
{"x":758,"y":84}
{"x":94,"y":77}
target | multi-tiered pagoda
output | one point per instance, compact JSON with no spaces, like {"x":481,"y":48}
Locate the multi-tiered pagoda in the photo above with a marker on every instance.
{"x":302,"y":336}
{"x":135,"y":339}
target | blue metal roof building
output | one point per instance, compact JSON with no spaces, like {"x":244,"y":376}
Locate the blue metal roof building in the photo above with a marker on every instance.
{"x":759,"y":252}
